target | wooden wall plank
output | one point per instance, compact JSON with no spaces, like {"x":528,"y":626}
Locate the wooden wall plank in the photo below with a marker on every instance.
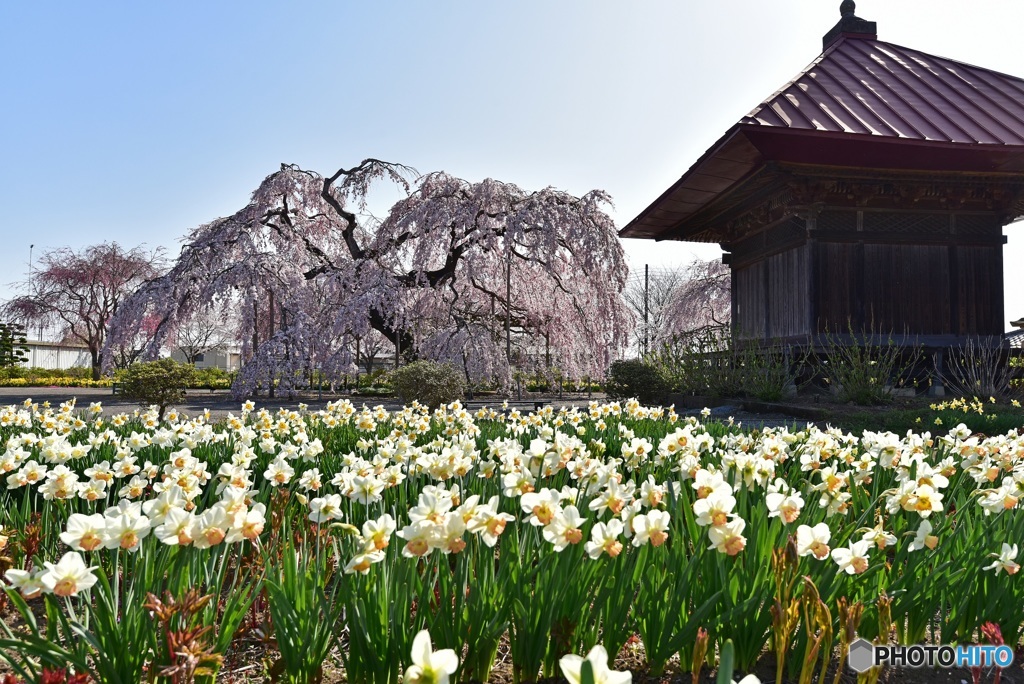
{"x":750,"y":301}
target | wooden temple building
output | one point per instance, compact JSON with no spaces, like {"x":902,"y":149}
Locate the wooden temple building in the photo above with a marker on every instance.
{"x":871,"y":191}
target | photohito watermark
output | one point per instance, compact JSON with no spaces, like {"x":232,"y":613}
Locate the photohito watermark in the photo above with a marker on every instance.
{"x":864,"y":655}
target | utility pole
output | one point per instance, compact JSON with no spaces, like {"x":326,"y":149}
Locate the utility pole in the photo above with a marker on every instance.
{"x":30,"y":248}
{"x":647,"y":292}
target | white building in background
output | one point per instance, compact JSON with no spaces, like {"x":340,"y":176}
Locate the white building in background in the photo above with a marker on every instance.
{"x":57,"y":355}
{"x":225,"y":358}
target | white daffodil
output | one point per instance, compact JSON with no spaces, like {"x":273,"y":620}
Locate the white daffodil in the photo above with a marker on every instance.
{"x":598,"y":659}
{"x":879,"y":537}
{"x":366,"y":490}
{"x":176,"y":528}
{"x":706,"y":482}
{"x":489,"y":523}
{"x":420,"y":537}
{"x":450,"y":533}
{"x":361,"y":562}
{"x":564,"y":528}
{"x":785,"y":505}
{"x":613,"y":497}
{"x":854,"y":558}
{"x":68,"y":576}
{"x":27,"y":582}
{"x":999,"y":499}
{"x":924,"y":537}
{"x":430,"y":666}
{"x":1005,"y":560}
{"x":813,"y":540}
{"x":728,"y":538}
{"x":432,"y":506}
{"x":715,"y":510}
{"x":279,"y":472}
{"x":311,"y":481}
{"x":604,"y":538}
{"x":135,"y":488}
{"x":248,"y":525}
{"x":542,"y":506}
{"x":324,"y":509}
{"x":156,"y":509}
{"x":924,"y":499}
{"x":85,"y":532}
{"x":210,"y":528}
{"x":377,"y":533}
{"x":652,"y":526}
{"x":651,"y":493}
{"x":126,"y":531}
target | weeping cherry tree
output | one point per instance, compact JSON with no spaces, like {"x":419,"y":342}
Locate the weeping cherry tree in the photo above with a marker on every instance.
{"x":444,"y":275}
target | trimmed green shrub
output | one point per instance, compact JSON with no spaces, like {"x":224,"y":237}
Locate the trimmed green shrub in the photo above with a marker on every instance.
{"x":34,"y":374}
{"x":159,"y":383}
{"x":428,"y":382}
{"x":212,"y":378}
{"x":635,"y":378}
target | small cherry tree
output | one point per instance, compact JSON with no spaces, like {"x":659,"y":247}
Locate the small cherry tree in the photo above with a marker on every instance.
{"x":206,"y":330}
{"x":447,"y":274}
{"x":78,"y":292}
{"x":647,"y":295}
{"x":702,"y":300}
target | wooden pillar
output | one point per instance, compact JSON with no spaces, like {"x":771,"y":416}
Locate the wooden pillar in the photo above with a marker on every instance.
{"x":734,"y":305}
{"x":811,"y":293}
{"x":766,"y":306}
{"x":955,"y":320}
{"x":858,"y":305}
{"x":937,"y":389}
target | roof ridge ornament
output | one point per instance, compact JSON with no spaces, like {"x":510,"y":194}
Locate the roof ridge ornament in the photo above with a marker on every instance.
{"x":850,"y":26}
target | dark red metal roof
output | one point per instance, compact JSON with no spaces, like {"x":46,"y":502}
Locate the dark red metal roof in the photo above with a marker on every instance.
{"x":863,"y":104}
{"x":880,"y":89}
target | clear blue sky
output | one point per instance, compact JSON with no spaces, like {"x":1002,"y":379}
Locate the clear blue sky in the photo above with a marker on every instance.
{"x":135,"y":121}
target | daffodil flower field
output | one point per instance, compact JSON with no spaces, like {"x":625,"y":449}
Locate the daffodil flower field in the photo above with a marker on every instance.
{"x":142,"y":550}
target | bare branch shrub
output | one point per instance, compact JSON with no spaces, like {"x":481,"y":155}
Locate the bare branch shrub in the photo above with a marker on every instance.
{"x":864,"y":371}
{"x":979,"y":367}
